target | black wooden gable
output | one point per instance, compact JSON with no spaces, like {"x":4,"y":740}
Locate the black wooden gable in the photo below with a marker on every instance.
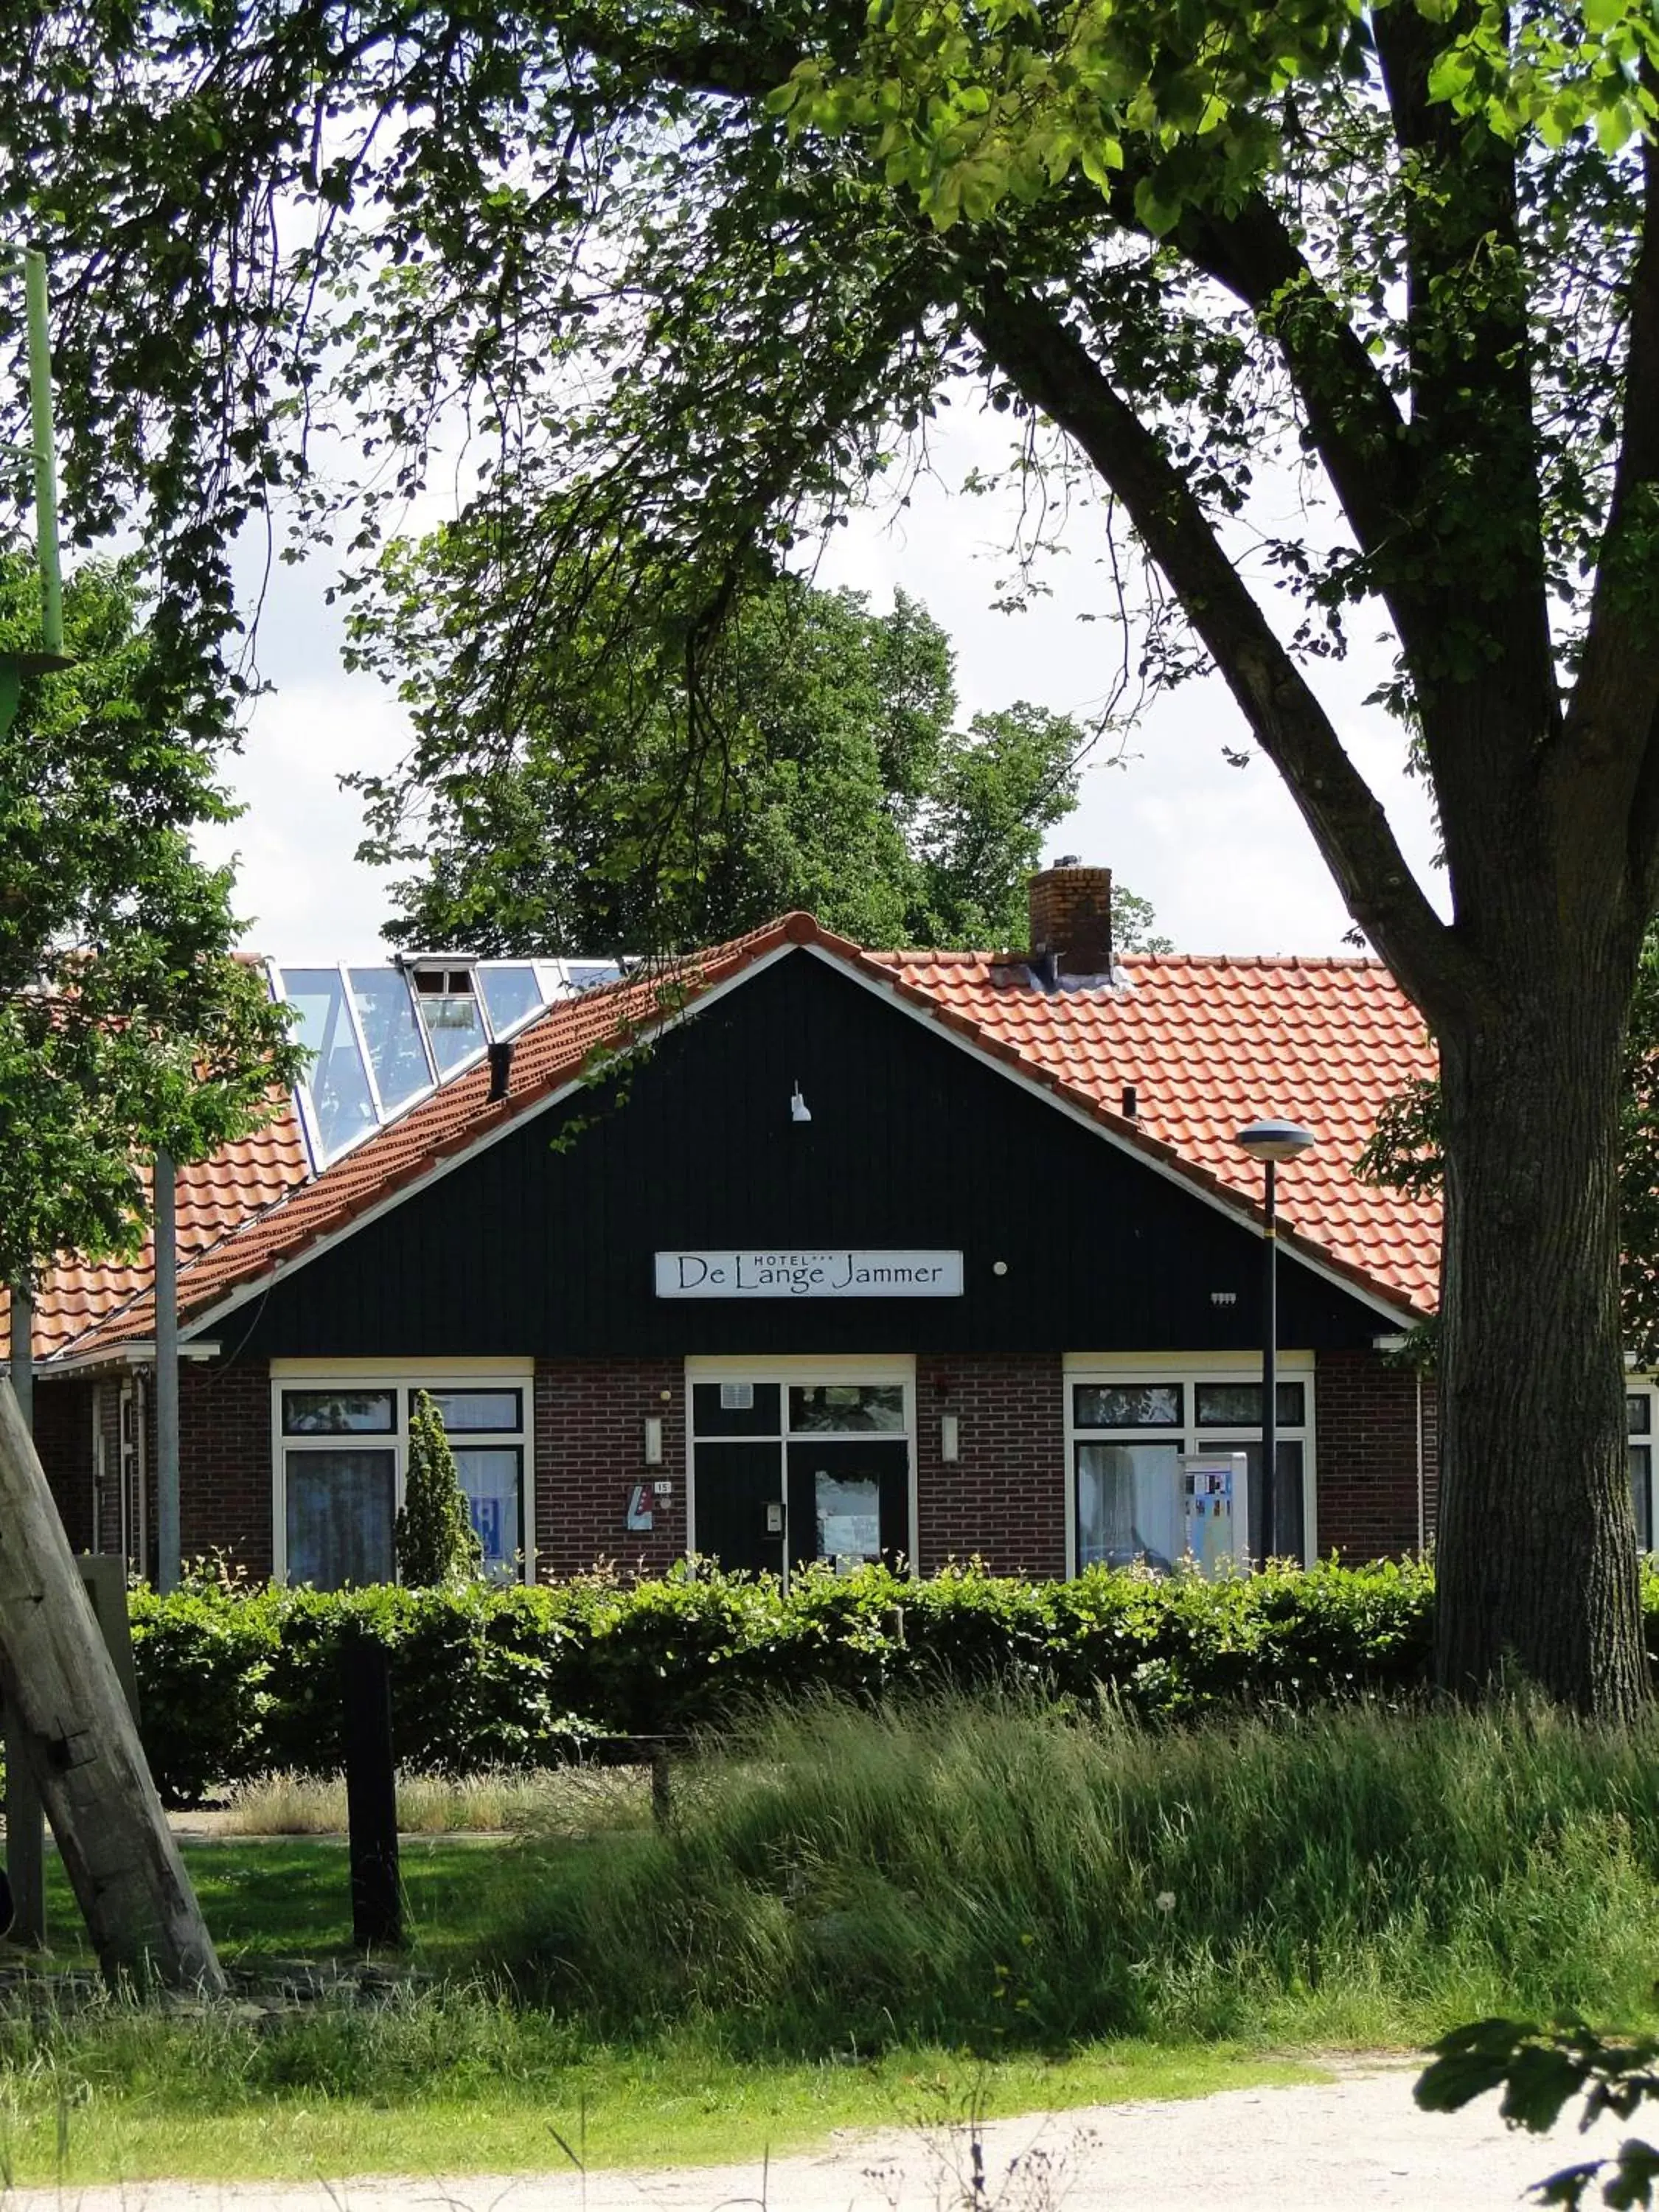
{"x":543,"y":1242}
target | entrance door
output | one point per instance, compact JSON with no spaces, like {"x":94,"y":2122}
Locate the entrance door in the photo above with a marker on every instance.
{"x":740,"y":1511}
{"x":849,"y":1500}
{"x":785,"y":1471}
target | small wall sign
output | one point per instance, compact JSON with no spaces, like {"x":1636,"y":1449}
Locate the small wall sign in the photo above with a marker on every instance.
{"x":791,"y":1274}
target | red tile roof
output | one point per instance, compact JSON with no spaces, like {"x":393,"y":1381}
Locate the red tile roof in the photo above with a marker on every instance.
{"x":1207,"y":1044}
{"x":213,"y":1197}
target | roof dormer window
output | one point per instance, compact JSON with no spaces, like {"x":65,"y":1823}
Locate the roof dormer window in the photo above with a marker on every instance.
{"x":446,"y":1000}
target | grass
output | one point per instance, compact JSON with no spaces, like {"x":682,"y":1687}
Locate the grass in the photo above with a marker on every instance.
{"x":981,"y":1874}
{"x":573,"y":1799}
{"x":290,"y":1899}
{"x":469,"y":2083}
{"x":867,"y":1920}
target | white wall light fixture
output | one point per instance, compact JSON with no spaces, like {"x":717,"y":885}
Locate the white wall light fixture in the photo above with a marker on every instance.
{"x":653,"y":1439}
{"x":799,"y":1108}
{"x":949,"y":1435}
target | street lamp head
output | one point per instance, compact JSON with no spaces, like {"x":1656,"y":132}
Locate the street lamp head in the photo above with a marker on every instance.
{"x":1273,"y":1140}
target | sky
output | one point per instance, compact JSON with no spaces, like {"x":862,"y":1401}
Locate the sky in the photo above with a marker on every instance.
{"x":1220,"y":852}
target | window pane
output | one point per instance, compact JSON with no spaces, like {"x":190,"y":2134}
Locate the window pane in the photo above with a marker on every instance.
{"x":1289,"y":1532}
{"x":1641,"y":1494}
{"x":1236,"y":1403}
{"x":1128,"y":1506}
{"x":510,"y":993}
{"x":339,"y":1516}
{"x":340,"y":1096}
{"x":712,"y":1417}
{"x":336,"y":1412}
{"x":490,"y":1477}
{"x":1127,"y":1405}
{"x":395,"y":1051}
{"x":464,"y":1410}
{"x":454,"y":1027}
{"x":848,"y":1518}
{"x":855,"y":1407}
{"x":1638,"y":1413}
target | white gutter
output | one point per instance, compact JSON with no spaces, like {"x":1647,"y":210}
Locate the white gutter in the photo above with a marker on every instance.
{"x":116,"y":1356}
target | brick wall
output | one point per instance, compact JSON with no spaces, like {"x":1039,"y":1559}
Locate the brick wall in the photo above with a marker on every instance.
{"x":1366,"y":1443}
{"x":224,"y":1462}
{"x":590,"y":1450}
{"x":1004,"y":1498}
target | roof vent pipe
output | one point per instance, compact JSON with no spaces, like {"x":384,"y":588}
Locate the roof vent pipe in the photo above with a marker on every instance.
{"x":500,"y":1069}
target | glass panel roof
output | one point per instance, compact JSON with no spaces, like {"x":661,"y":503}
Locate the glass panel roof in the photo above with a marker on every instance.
{"x":337,"y":1091}
{"x":511,"y":995}
{"x":383,"y":1037}
{"x":402,"y":1070}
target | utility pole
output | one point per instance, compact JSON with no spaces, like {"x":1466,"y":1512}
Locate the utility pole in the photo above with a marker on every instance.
{"x":168,"y":1553}
{"x":41,"y":451}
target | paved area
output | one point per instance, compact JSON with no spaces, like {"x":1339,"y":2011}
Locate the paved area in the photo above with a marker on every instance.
{"x":1349,"y":2145}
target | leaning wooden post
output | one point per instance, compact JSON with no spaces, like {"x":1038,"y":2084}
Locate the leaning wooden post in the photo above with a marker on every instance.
{"x":26,"y":1819}
{"x":71,"y":1722}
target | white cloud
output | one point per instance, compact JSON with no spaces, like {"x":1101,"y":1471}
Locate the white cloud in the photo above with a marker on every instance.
{"x":302,"y":894}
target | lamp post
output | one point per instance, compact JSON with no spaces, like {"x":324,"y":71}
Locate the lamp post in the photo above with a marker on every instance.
{"x":1270,"y":1142}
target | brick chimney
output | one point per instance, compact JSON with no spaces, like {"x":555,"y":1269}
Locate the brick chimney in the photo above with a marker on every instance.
{"x":1072,"y":920}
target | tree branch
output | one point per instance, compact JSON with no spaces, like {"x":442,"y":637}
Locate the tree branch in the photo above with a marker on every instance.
{"x":1356,"y":423}
{"x":1618,"y":682}
{"x":1044,"y":359}
{"x":1469,"y":357}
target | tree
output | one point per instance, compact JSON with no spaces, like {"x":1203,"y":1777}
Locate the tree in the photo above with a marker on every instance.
{"x":837,"y":782}
{"x":692,"y":274}
{"x":435,"y":1539}
{"x":126,"y":1025}
{"x":1407,"y":1153}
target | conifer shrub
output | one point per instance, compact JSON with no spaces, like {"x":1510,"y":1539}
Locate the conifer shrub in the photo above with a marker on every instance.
{"x":434,"y":1538}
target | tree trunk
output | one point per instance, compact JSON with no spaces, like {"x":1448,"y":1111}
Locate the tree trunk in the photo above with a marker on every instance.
{"x":1536,"y":1546}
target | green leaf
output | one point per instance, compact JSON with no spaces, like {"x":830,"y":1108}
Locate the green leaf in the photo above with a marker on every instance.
{"x":1158,"y":214}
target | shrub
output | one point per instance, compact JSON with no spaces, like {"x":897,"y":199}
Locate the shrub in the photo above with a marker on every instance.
{"x":240,"y":1681}
{"x":236,"y":1681}
{"x":433,"y":1537}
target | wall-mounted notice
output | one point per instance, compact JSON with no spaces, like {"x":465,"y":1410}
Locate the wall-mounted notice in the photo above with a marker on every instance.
{"x":793,"y":1274}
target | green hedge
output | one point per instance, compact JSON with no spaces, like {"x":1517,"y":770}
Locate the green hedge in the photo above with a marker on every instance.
{"x":234,"y":1681}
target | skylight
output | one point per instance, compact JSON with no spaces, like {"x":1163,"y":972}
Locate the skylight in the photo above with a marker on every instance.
{"x":385,"y":1037}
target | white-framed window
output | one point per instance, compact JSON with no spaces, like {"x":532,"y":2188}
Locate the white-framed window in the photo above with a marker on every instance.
{"x":340,"y":1454}
{"x":1642,"y":1426}
{"x":1128,"y":1423}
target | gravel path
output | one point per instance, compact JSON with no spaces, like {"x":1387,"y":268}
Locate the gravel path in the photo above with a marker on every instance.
{"x":1348,"y":2145}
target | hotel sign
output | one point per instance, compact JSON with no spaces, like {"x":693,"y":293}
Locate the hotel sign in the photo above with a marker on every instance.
{"x":784,"y":1274}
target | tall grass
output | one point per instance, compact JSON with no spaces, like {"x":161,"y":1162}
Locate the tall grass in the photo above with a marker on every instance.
{"x":570,"y":1800}
{"x":995,"y":1873}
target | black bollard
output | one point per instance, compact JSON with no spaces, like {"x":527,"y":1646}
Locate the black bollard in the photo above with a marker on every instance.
{"x":377,"y":1903}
